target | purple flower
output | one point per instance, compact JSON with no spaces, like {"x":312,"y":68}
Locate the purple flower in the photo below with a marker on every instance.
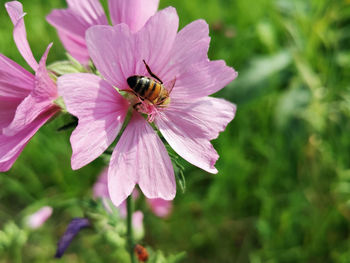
{"x":188,"y":122}
{"x":71,"y":23}
{"x":37,"y":219}
{"x":26,"y":100}
{"x":73,"y":229}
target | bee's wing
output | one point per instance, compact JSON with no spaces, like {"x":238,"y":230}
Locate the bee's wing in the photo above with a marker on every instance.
{"x":170,"y":85}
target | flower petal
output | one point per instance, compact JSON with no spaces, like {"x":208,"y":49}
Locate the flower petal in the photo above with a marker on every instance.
{"x":189,"y":126}
{"x":15,"y":81}
{"x":15,"y":11}
{"x":15,"y":84}
{"x":7,"y":111}
{"x":37,"y":219}
{"x":74,"y":227}
{"x":71,"y":24}
{"x":39,"y":101}
{"x":111,"y":50}
{"x":75,"y":46}
{"x":100,"y":188}
{"x":155,"y":41}
{"x":191,"y":46}
{"x":160,"y":207}
{"x":118,"y":54}
{"x":140,"y":157}
{"x":134,"y":13}
{"x":11,"y":147}
{"x":100,"y":110}
{"x":202,"y":79}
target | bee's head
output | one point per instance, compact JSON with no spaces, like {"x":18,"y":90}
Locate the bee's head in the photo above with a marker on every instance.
{"x":132,"y":81}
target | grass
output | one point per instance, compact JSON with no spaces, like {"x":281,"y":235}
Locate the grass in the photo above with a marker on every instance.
{"x":283,"y":190}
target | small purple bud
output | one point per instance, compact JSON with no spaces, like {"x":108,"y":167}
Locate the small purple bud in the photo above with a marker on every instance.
{"x":73,"y":229}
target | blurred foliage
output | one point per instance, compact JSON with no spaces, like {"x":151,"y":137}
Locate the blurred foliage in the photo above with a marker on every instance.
{"x":283,"y":190}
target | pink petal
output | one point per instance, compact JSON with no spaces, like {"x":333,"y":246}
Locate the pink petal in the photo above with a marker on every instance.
{"x":137,"y":222}
{"x":6,"y":165}
{"x":75,"y":46}
{"x":156,"y":39}
{"x":11,"y":147}
{"x":15,"y":11}
{"x":39,"y":101}
{"x":101,"y":112}
{"x":44,"y":85}
{"x":160,"y":207}
{"x":7,"y":111}
{"x":100,"y":188}
{"x":15,"y":81}
{"x":27,"y":111}
{"x":71,"y":23}
{"x":111,"y":50}
{"x":37,"y":219}
{"x":15,"y":84}
{"x":140,"y":157}
{"x":118,"y":54}
{"x":191,"y":46}
{"x":134,"y":13}
{"x":189,"y":126}
{"x":202,"y":79}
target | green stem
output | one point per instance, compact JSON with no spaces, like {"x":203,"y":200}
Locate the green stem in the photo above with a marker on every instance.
{"x":129,"y":206}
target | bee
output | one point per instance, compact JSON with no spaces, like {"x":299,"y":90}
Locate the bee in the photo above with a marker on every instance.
{"x":150,"y":89}
{"x":141,"y":253}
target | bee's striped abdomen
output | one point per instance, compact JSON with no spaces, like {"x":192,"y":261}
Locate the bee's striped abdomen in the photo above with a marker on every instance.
{"x":145,"y":87}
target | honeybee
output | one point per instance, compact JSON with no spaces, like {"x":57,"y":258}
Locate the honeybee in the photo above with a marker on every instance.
{"x":150,"y":89}
{"x":141,"y":253}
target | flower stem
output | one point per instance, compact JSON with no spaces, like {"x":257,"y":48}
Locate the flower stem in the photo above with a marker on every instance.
{"x":129,"y":206}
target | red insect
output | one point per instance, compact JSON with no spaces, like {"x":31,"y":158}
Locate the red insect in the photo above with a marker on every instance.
{"x":141,"y":253}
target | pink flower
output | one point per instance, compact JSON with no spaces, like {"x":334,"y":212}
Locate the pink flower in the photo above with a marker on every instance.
{"x":188,"y":123}
{"x":37,"y":219}
{"x":160,"y":207}
{"x":26,"y":100}
{"x":71,"y":23}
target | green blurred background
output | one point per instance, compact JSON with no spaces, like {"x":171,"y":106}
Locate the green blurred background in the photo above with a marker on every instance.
{"x":283,"y":189}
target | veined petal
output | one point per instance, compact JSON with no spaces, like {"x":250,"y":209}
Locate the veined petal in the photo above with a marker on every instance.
{"x":6,"y":165}
{"x":15,"y":11}
{"x":191,"y":46}
{"x":7,"y":111}
{"x":12,"y":146}
{"x":134,"y":13}
{"x":15,"y":81}
{"x":140,"y":157}
{"x":118,"y":54}
{"x":39,"y":101}
{"x":71,"y":24}
{"x":100,"y":110}
{"x":75,"y":46}
{"x":189,"y":127}
{"x":27,"y":111}
{"x":202,"y":79}
{"x":111,"y":50}
{"x":44,"y":85}
{"x":155,"y":41}
{"x":90,"y":10}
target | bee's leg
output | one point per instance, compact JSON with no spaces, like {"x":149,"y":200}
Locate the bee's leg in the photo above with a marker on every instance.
{"x":172,"y":83}
{"x":151,"y":73}
{"x":137,"y":105}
